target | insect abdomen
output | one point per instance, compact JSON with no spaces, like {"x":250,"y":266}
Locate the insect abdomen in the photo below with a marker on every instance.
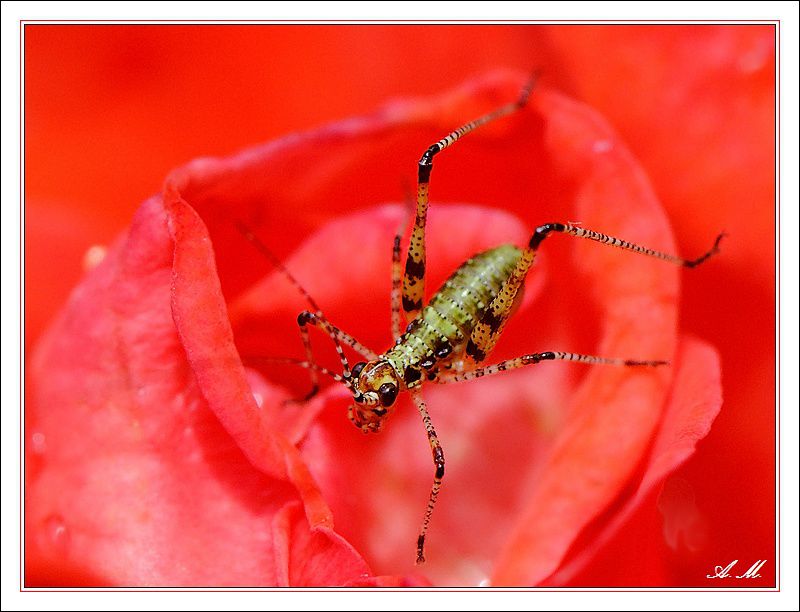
{"x":444,"y":325}
{"x":466,"y":295}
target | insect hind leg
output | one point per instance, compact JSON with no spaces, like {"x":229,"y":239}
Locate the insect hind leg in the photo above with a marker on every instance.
{"x":414,"y":277}
{"x":488,"y":330}
{"x":543,"y":231}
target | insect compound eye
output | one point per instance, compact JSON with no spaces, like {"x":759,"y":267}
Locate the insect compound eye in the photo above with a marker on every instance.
{"x":387,"y":392}
{"x":356,"y":371}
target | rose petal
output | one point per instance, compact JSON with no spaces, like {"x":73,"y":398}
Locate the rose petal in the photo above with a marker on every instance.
{"x":128,"y":486}
{"x":697,"y":105}
{"x":134,"y":480}
{"x":720,"y":99}
{"x":287,"y":188}
{"x":615,"y":410}
{"x":694,"y":402}
{"x":311,"y":556}
{"x":202,"y":322}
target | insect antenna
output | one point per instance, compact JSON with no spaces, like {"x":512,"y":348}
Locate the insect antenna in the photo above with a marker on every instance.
{"x":276,"y":262}
{"x":308,"y":365}
{"x":314,"y":317}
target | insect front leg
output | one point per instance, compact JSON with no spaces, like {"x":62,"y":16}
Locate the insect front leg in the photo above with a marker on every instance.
{"x":316,"y":318}
{"x":338,"y":337}
{"x":438,"y":461}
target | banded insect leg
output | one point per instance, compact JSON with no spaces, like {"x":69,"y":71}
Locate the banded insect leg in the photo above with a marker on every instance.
{"x":486,"y":333}
{"x":338,"y":337}
{"x":488,"y":330}
{"x":397,"y":272}
{"x":543,"y":231}
{"x":438,"y":461}
{"x":534,"y":358}
{"x":414,"y":278}
{"x":315,"y":318}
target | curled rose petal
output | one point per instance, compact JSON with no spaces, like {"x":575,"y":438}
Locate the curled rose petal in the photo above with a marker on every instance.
{"x":614,"y":411}
{"x":201,"y":320}
{"x":698,"y":106}
{"x":694,"y":402}
{"x":134,"y":478}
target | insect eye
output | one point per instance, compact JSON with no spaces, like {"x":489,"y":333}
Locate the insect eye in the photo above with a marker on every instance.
{"x":357,"y":369}
{"x":387,"y":393}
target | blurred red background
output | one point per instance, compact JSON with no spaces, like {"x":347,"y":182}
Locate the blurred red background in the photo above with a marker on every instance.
{"x":109,"y":110}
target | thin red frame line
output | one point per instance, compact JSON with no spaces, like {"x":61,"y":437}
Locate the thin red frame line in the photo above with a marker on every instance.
{"x":778,"y":306}
{"x":776,"y":205}
{"x":22,"y":313}
{"x":587,"y":23}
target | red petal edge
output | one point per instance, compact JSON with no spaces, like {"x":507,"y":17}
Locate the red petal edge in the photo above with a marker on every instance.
{"x":201,"y":319}
{"x":694,"y":402}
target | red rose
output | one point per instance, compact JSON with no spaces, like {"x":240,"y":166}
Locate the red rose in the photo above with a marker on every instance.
{"x":162,"y":459}
{"x":109,"y":108}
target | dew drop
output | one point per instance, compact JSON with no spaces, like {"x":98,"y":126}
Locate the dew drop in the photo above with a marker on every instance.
{"x":754,"y":59}
{"x":601,"y":146}
{"x":259,"y":398}
{"x":93,"y":256}
{"x":38,"y":443}
{"x":56,"y":534}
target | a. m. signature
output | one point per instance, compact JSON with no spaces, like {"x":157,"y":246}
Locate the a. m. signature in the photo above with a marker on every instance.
{"x":725,"y":572}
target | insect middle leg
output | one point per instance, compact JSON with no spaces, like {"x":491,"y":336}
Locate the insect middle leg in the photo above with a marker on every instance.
{"x":397,"y":273}
{"x":459,"y":375}
{"x":438,"y":461}
{"x":414,"y":278}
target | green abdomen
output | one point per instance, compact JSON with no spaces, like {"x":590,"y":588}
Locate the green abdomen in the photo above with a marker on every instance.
{"x":456,"y":308}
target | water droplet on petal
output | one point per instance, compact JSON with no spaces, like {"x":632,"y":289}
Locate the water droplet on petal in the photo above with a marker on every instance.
{"x":56,"y":534}
{"x":755,"y":58}
{"x":38,"y":443}
{"x":601,"y":146}
{"x":683,"y":524}
{"x":93,"y":256}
